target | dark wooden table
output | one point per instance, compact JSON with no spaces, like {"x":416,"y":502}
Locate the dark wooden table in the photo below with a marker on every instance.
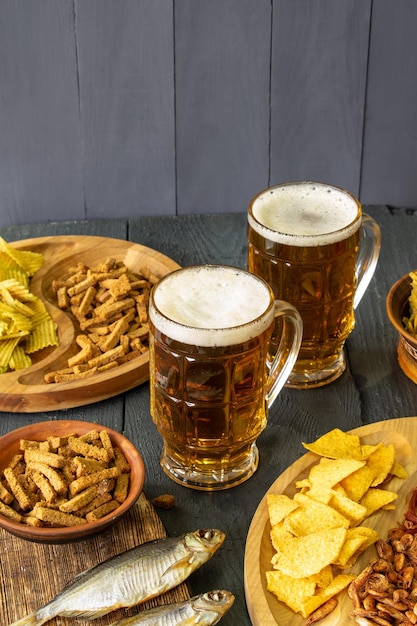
{"x":372,"y":389}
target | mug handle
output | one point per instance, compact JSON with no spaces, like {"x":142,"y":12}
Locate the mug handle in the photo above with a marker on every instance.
{"x":369,"y":248}
{"x":279,"y":368}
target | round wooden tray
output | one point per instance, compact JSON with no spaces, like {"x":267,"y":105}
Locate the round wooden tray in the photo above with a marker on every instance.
{"x":25,"y":390}
{"x":263,"y":607}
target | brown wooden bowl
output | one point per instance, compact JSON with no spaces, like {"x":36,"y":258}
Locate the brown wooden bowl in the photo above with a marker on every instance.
{"x":10,"y":445}
{"x":397,"y":308}
{"x":25,"y":390}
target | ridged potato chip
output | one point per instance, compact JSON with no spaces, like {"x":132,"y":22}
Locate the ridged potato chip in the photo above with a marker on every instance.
{"x":25,"y":324}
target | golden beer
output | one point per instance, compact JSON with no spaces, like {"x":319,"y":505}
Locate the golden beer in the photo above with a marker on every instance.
{"x":303,"y":239}
{"x":210,"y":372}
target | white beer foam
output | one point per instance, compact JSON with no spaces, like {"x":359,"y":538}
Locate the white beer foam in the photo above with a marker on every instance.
{"x":305,"y":214}
{"x":211,"y":306}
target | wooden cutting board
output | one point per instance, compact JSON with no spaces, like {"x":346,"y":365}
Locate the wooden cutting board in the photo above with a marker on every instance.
{"x":264,"y":608}
{"x":25,"y":390}
{"x":32,"y":573}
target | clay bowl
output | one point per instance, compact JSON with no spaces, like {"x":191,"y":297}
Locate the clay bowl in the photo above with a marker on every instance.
{"x":397,"y":308}
{"x":9,"y":446}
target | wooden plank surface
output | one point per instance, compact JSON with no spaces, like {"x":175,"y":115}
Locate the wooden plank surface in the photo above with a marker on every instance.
{"x":43,"y":570}
{"x":318,"y":90}
{"x":373,"y":388}
{"x":222,"y":56}
{"x":40,"y":148}
{"x":384,"y":390}
{"x":126,"y":74}
{"x":120,"y":109}
{"x":390,"y":149}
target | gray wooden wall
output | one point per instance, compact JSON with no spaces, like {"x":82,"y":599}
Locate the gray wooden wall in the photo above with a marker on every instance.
{"x":120,"y":108}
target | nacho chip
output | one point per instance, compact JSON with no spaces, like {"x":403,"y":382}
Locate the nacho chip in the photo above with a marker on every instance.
{"x":329,"y":472}
{"x":279,"y":506}
{"x":357,"y":540}
{"x":375,"y":499}
{"x":312,"y":516}
{"x":350,"y":509}
{"x":358,"y":483}
{"x":322,"y":548}
{"x":381,"y":462}
{"x":336,"y":445}
{"x":337,"y":585}
{"x":280,"y":536}
{"x":294,"y":592}
{"x":398,"y":470}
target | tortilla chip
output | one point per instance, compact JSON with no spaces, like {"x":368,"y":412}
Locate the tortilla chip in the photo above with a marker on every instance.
{"x":350,"y":509}
{"x":399,"y":471}
{"x":381,"y":462}
{"x":280,"y":536}
{"x":375,"y":499}
{"x":357,"y":540}
{"x":322,"y":548}
{"x":312,"y":516}
{"x":336,"y":445}
{"x":329,"y":472}
{"x":337,"y":585}
{"x":279,"y":506}
{"x":294,"y":592}
{"x":358,"y":483}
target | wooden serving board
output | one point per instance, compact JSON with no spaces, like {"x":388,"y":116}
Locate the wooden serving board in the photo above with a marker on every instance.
{"x":263,"y":607}
{"x":33,"y":573}
{"x":25,"y":390}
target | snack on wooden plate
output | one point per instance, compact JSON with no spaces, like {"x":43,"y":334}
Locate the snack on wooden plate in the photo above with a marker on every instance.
{"x":110,"y":305}
{"x":385,"y":592}
{"x":410,"y":322}
{"x":25,"y":324}
{"x":318,"y":534}
{"x":64,"y":481}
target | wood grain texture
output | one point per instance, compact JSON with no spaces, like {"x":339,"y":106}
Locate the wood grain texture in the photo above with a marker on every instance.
{"x":40,"y":148}
{"x":318,"y":90}
{"x":372,"y":389}
{"x":43,"y":570}
{"x":153,"y":107}
{"x":264,"y":609}
{"x":126,"y":74}
{"x":25,"y":390}
{"x":222,"y":103}
{"x":390,"y":149}
{"x":372,"y":346}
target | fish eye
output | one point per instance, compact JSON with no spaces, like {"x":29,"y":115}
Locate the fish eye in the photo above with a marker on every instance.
{"x":215,"y":596}
{"x":206,"y":534}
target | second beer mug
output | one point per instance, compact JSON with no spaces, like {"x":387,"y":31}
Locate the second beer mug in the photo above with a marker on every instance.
{"x":312,"y":244}
{"x":211,"y":377}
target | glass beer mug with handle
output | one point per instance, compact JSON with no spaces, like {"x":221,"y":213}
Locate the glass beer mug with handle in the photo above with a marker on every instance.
{"x":212,"y":379}
{"x":317,"y":250}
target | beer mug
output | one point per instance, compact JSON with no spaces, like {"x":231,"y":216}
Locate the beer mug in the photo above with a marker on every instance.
{"x":211,"y":376}
{"x":317,"y":250}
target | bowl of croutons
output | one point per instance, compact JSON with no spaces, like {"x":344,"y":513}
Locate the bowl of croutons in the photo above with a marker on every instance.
{"x":65,"y":480}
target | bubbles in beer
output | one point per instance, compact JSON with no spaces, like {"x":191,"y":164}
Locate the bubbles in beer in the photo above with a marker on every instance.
{"x":305,"y":214}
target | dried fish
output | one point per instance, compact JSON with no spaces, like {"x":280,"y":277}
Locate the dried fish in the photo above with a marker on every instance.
{"x":205,"y":609}
{"x":130,"y":578}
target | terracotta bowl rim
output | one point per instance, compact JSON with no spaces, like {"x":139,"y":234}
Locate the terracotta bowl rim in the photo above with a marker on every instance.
{"x":396,"y":321}
{"x":75,"y":533}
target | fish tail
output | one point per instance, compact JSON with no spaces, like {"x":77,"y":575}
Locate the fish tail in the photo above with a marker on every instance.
{"x":29,"y":620}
